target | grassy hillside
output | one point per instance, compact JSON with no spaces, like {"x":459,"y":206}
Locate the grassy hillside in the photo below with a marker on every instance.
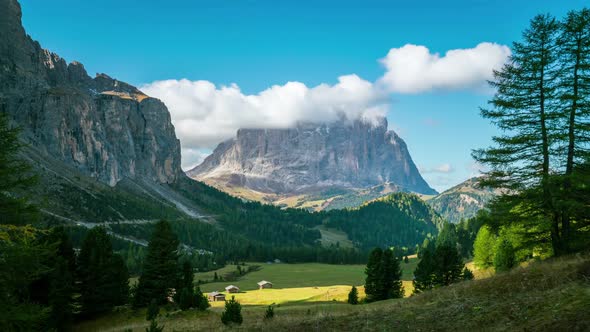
{"x":544,"y":296}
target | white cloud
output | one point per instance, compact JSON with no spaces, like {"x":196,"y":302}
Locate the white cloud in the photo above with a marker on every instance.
{"x":414,"y":69}
{"x":205,"y":114}
{"x":443,"y":168}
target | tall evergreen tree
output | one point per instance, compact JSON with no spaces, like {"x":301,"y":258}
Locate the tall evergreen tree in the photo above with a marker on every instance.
{"x":574,"y":52}
{"x":160,"y":269}
{"x":425,"y":270}
{"x":390,"y":279}
{"x":103,"y":275}
{"x":15,"y":176}
{"x":525,"y":108}
{"x":373,"y":272}
{"x":448,"y":265}
{"x":353,"y":296}
{"x":60,"y":296}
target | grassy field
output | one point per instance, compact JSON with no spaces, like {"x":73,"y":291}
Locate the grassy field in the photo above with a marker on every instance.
{"x":543,"y":296}
{"x":298,"y":275}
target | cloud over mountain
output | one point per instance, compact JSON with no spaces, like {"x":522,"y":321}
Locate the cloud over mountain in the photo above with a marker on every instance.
{"x":205,"y":114}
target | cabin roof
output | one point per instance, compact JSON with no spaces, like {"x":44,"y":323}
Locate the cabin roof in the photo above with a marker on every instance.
{"x":264,"y":282}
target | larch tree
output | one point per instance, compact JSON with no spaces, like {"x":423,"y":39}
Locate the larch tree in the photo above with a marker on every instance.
{"x":525,"y":108}
{"x":574,"y":53}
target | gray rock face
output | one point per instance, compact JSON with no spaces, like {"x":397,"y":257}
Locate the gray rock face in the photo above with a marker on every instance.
{"x":106,"y":128}
{"x":353,"y":154}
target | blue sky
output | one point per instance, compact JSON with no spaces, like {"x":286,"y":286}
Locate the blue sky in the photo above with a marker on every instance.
{"x":257,"y":44}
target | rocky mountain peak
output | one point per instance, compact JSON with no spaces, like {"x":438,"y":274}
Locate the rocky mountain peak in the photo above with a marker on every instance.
{"x":309,"y":156}
{"x":106,"y":128}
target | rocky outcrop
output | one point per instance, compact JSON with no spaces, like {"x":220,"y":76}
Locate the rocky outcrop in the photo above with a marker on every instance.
{"x":463,"y":201}
{"x":106,"y":128}
{"x":348,"y":154}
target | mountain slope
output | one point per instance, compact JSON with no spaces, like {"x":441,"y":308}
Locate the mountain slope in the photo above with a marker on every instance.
{"x":107,"y":153}
{"x":462,"y":201}
{"x":312,"y":159}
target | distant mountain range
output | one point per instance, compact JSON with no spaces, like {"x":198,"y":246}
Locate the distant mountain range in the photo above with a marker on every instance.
{"x":462,"y":201}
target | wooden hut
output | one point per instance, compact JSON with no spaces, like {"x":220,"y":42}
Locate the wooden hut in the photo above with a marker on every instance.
{"x":216,"y":296}
{"x":264,"y":284}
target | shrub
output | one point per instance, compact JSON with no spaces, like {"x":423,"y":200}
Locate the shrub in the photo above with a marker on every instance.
{"x":232,"y":313}
{"x":504,"y":259}
{"x":467,"y":274}
{"x":153,"y":310}
{"x":353,"y":296}
{"x":270,"y":312}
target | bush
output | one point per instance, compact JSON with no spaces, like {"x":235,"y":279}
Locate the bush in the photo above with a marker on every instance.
{"x":270,"y":312}
{"x":154,"y":327}
{"x":153,"y":310}
{"x":232,"y":313}
{"x":353,"y":296}
{"x":201,"y":302}
{"x":467,"y":274}
{"x":504,"y":260}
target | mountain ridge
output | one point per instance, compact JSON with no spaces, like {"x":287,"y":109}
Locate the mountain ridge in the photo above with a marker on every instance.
{"x":310,"y":158}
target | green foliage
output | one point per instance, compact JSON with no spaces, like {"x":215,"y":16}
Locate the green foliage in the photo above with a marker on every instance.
{"x":154,"y":327}
{"x":383,"y":276}
{"x":60,"y":296}
{"x":201,"y":301}
{"x":15,"y":178}
{"x":270,"y":312}
{"x":153,"y":310}
{"x":23,"y":261}
{"x":397,"y":220}
{"x":103,"y":275}
{"x":504,"y":259}
{"x":440,"y":266}
{"x":425,"y":271}
{"x":160,"y":268}
{"x":540,"y":105}
{"x":483,"y":248}
{"x":353,"y":296}
{"x":186,"y":299}
{"x":232,"y":313}
{"x":448,"y":263}
{"x":467,"y":274}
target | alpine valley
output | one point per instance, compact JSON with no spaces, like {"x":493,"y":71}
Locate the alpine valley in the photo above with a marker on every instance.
{"x":106,"y":153}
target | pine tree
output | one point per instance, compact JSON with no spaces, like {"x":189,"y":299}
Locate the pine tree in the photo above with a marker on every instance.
{"x":60,"y":296}
{"x":160,"y":267}
{"x":373,"y":272}
{"x":103,"y":275}
{"x":186,"y":299}
{"x":390,"y":278}
{"x":15,"y":176}
{"x":525,"y":108}
{"x":154,"y":327}
{"x":353,"y":296}
{"x":425,"y":270}
{"x":232,"y":313}
{"x":201,"y":301}
{"x":448,"y":265}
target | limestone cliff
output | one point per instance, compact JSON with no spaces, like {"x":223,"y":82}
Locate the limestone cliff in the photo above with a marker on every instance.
{"x":344,"y":154}
{"x":105,"y":128}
